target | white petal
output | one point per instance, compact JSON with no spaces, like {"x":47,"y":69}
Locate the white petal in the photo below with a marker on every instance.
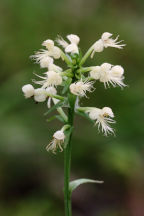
{"x":95,"y":72}
{"x":72,"y":48}
{"x":106,"y":35}
{"x":55,"y":52}
{"x":73,"y":38}
{"x":59,"y":135}
{"x":62,"y":42}
{"x":106,"y":66}
{"x":44,"y":62}
{"x":49,"y":44}
{"x":51,"y":90}
{"x":107,"y":111}
{"x":98,"y":46}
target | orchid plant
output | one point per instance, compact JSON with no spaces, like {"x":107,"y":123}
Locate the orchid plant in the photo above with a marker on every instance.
{"x":75,"y":82}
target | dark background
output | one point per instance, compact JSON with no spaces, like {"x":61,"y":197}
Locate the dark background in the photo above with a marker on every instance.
{"x":31,"y":180}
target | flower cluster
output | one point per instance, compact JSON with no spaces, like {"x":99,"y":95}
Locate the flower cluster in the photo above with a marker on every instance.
{"x":108,"y":74}
{"x":75,"y":80}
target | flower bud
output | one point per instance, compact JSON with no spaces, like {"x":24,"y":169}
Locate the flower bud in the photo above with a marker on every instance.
{"x":117,"y":71}
{"x":40,"y":95}
{"x":28,"y":90}
{"x":51,"y":90}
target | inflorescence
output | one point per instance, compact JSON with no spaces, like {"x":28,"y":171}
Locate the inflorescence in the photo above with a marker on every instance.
{"x":76,"y":80}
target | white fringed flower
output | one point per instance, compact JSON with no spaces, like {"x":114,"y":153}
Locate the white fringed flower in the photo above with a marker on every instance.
{"x":28,"y":90}
{"x":106,"y":41}
{"x":40,"y":95}
{"x":108,"y":74}
{"x":112,"y":75}
{"x":79,"y":88}
{"x":53,"y":51}
{"x":73,"y":46}
{"x":58,"y":140}
{"x":110,"y":42}
{"x":50,"y":90}
{"x":43,"y":56}
{"x":105,"y":73}
{"x":102,"y":117}
{"x":52,"y":79}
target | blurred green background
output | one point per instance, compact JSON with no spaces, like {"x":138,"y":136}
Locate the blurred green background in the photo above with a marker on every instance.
{"x":31,"y":180}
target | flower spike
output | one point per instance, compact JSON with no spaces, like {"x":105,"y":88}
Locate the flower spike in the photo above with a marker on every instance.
{"x":71,"y":84}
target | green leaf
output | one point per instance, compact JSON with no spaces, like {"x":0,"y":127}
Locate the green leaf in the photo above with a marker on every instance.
{"x":85,"y":115}
{"x":51,"y":118}
{"x":59,"y":104}
{"x":74,"y":184}
{"x":55,"y":117}
{"x":60,"y":118}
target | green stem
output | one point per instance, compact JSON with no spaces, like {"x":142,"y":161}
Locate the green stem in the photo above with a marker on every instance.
{"x":56,"y":96}
{"x":65,"y":58}
{"x":86,"y":55}
{"x":84,"y":70}
{"x":67,"y":157}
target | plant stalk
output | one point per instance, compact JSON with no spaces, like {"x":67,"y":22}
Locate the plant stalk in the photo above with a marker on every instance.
{"x":67,"y":158}
{"x":87,"y":54}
